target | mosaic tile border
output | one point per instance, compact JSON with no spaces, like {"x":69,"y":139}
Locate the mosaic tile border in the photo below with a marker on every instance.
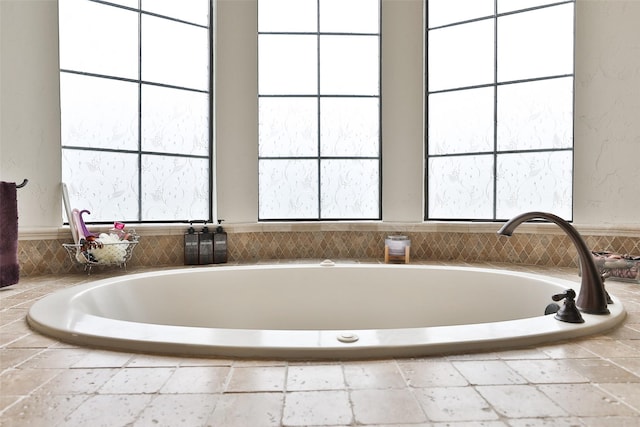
{"x":47,"y":256}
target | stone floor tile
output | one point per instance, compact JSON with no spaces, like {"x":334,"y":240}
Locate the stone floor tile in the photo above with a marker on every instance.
{"x":100,"y":410}
{"x":42,"y":411}
{"x":547,"y":371}
{"x":454,"y":404}
{"x":611,"y":422}
{"x":33,"y":340}
{"x":547,"y":422}
{"x":392,"y":406}
{"x":315,"y":377}
{"x":470,"y":424}
{"x":18,"y":327}
{"x":187,"y":410}
{"x":248,"y":409}
{"x":196,"y":379}
{"x":21,"y":382}
{"x":9,"y":336}
{"x":6,"y":400}
{"x":103,"y":359}
{"x":257,"y":379}
{"x":488,"y":372}
{"x":631,"y":364}
{"x":474,"y":356}
{"x":12,"y":357}
{"x":628,"y":393}
{"x":56,"y":358}
{"x":429,"y":373}
{"x":625,"y":332}
{"x":603,"y":371}
{"x":77,"y":381}
{"x":317,"y":408}
{"x":585,"y":400}
{"x":136,"y":380}
{"x":154,"y":361}
{"x":247,"y":362}
{"x":611,"y":348}
{"x":523,"y":353}
{"x":566,"y":350}
{"x":373,"y":375}
{"x":520,"y":401}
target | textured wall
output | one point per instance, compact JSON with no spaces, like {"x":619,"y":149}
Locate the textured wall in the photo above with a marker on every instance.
{"x":607,"y":107}
{"x":30,"y":107}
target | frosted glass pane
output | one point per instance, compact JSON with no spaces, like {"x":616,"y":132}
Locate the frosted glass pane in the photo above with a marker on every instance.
{"x":288,"y":15}
{"x":288,"y":189}
{"x":104,"y":183}
{"x":461,"y":121}
{"x":174,"y":53}
{"x":349,"y":16}
{"x":461,"y":56}
{"x":288,"y":127}
{"x":175,"y":121}
{"x":536,"y":44}
{"x":97,"y":112}
{"x":350,"y":189}
{"x":98,"y":38}
{"x":534,"y":182}
{"x":442,"y":12}
{"x":535,"y":115}
{"x":461,"y":187}
{"x":349,"y":65}
{"x":175,"y":188}
{"x":196,"y":11}
{"x":349,"y":127}
{"x":287,"y":65}
{"x":511,"y":5}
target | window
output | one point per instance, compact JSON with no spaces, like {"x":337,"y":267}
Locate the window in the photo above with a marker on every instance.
{"x":499,"y":108}
{"x":135,"y":103}
{"x":319,"y":109}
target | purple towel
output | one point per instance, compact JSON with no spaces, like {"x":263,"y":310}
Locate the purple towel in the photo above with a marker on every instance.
{"x":9,"y":268}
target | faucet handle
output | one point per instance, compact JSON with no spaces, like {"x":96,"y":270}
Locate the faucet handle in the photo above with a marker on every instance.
{"x":569,"y":294}
{"x":569,"y":312}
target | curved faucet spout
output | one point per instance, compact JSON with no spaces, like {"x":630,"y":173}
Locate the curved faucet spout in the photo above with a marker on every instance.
{"x":592,"y":298}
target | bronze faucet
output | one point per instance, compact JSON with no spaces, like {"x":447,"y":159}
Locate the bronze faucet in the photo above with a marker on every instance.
{"x":592,"y":298}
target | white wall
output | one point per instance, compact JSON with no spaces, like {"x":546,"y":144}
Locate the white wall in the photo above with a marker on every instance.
{"x":607,"y":131}
{"x":30,"y":108}
{"x":607,"y":112}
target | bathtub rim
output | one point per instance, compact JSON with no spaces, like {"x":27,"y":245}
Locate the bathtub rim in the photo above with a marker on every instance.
{"x":275,"y":344}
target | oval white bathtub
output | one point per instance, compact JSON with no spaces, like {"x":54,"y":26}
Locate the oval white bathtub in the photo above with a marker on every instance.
{"x":312,"y":311}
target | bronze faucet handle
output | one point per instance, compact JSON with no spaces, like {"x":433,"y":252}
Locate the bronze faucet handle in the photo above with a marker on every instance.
{"x":569,"y":294}
{"x":569,"y":312}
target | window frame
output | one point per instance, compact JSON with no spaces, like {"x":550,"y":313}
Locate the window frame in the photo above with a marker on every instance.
{"x":319,"y":158}
{"x":495,"y":85}
{"x":139,"y":152}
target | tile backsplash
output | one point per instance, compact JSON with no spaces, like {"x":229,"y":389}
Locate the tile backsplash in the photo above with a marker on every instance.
{"x":47,"y":256}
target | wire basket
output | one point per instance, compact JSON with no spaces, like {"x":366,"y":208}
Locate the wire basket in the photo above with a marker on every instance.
{"x":101,"y":254}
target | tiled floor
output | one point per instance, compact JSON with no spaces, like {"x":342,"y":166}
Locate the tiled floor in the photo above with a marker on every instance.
{"x":592,"y":382}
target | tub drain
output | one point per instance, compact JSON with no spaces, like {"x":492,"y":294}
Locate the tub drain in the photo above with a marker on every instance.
{"x":347,"y":337}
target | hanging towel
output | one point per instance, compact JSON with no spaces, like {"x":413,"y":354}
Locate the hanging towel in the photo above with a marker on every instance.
{"x":9,"y":268}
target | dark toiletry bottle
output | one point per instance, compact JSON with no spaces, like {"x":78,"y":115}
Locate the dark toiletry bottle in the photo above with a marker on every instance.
{"x":219,"y":245}
{"x":190,"y":246}
{"x":206,"y":245}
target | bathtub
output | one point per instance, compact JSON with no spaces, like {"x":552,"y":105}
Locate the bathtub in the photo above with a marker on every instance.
{"x":305,"y":311}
